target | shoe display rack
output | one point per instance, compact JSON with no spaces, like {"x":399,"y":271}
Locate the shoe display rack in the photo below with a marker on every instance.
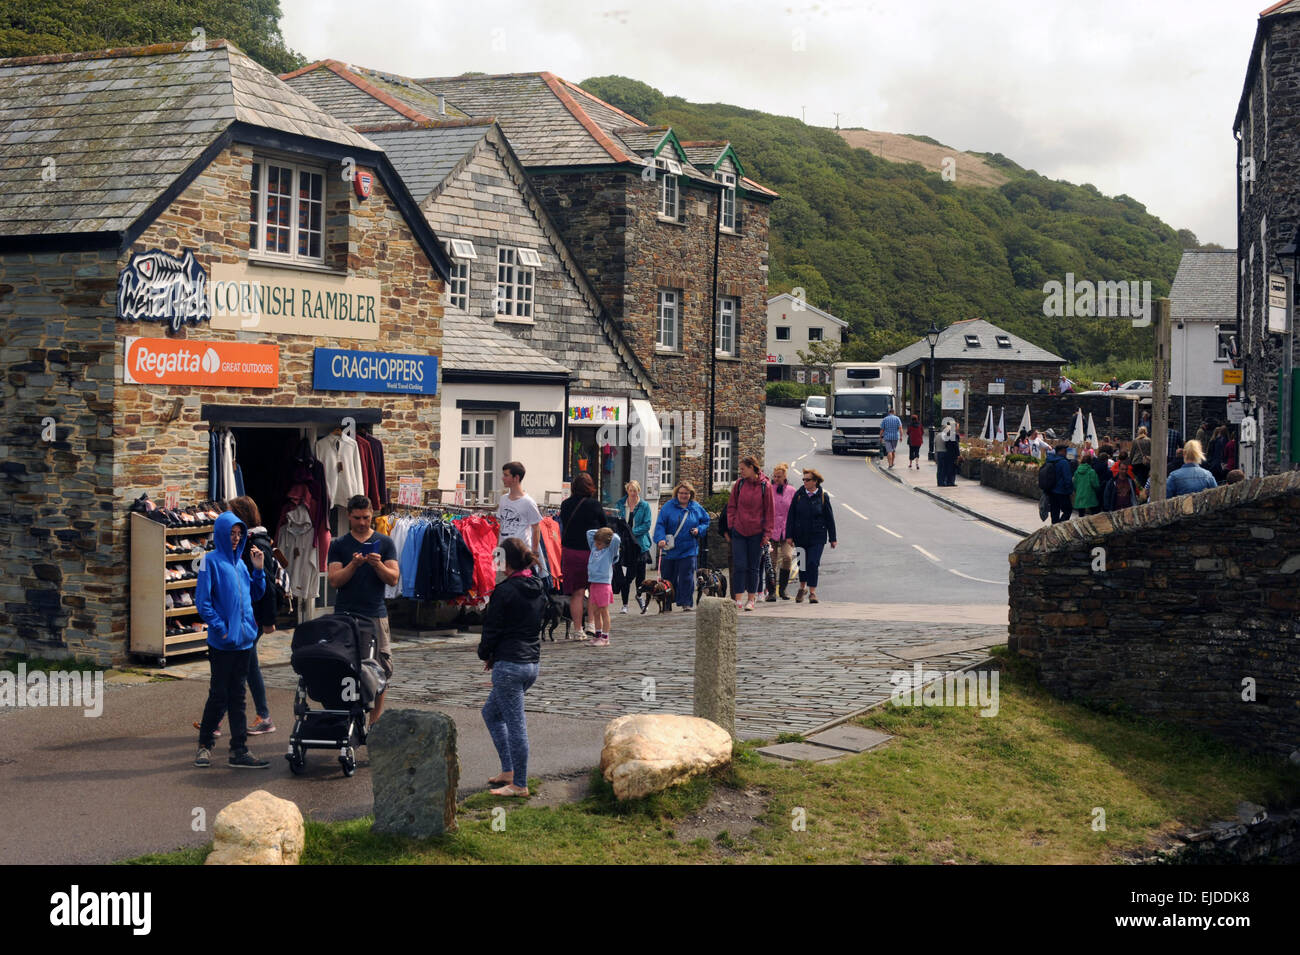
{"x":156,"y":558}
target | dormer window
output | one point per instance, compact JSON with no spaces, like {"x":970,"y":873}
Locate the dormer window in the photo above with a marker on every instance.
{"x":972,"y":341}
{"x":1004,"y":341}
{"x":669,"y":197}
{"x":728,"y":220}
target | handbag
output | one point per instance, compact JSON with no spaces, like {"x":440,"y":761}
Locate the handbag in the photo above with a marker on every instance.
{"x":671,"y":540}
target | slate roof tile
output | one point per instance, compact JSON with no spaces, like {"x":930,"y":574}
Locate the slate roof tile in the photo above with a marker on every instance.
{"x":1205,"y":287}
{"x":952,"y":345}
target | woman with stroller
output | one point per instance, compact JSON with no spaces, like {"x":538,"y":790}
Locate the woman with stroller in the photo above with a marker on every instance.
{"x":510,"y":647}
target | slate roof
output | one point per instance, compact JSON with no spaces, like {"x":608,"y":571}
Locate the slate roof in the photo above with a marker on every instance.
{"x":471,"y":344}
{"x":704,"y":154}
{"x":1205,"y":288}
{"x":425,"y":154}
{"x":952,"y":345}
{"x":120,"y":126}
{"x":642,"y":140}
{"x":345,"y":100}
{"x":786,"y":297}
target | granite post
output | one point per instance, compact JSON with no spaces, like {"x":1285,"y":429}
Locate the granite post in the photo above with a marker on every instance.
{"x":715,"y":662}
{"x":414,"y":771}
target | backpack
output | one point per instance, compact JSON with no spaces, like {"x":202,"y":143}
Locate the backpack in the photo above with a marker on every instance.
{"x":1047,"y":476}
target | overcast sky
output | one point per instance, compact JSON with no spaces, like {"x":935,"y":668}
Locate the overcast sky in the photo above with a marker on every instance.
{"x":1134,"y":97}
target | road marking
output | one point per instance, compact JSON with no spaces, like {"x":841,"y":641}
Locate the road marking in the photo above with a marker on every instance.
{"x":926,"y":553}
{"x":852,"y":511}
{"x":888,"y":531}
{"x":978,"y":579}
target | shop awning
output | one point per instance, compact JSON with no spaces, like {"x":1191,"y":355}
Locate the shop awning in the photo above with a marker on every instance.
{"x":281,"y":414}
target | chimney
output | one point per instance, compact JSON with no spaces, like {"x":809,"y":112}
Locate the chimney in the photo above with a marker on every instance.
{"x":442,"y":105}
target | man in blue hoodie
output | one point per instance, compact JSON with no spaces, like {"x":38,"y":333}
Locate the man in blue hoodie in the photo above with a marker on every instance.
{"x":224,"y":598}
{"x":1059,"y":495}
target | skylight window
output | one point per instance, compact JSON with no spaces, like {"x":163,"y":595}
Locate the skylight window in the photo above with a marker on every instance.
{"x":1004,"y":341}
{"x":972,"y":341}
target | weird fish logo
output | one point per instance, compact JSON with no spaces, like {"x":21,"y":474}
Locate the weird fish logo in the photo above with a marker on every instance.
{"x":156,"y":286}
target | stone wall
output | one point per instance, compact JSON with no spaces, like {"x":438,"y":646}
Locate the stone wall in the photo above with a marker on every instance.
{"x":61,"y":586}
{"x":1194,"y":606}
{"x":1013,"y":480}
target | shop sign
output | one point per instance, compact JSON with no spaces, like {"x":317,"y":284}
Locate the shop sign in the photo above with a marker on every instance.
{"x":1276,"y":302}
{"x":409,"y":492}
{"x":172,"y":498}
{"x":1236,"y":412}
{"x":286,"y":302}
{"x":954,"y":396}
{"x":591,"y":410}
{"x":156,"y":286}
{"x":339,"y":370}
{"x":170,"y":361}
{"x":1233,"y":376}
{"x":538,"y":424}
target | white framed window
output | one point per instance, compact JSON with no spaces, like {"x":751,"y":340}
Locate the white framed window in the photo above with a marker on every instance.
{"x":667,"y":324}
{"x":728,"y":179}
{"x":286,"y":211}
{"x":514,"y":285}
{"x":530,"y":258}
{"x":727,"y":309}
{"x":814,"y":334}
{"x":669,"y":194}
{"x":783,"y":333}
{"x":723,"y":445}
{"x":1227,"y":342}
{"x":667,"y":458}
{"x":478,"y":445}
{"x":461,"y":249}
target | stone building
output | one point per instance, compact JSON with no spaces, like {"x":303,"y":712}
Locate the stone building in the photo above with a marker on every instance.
{"x":1268,"y":223}
{"x":650,"y":219}
{"x":187,"y":246}
{"x":999,"y":369}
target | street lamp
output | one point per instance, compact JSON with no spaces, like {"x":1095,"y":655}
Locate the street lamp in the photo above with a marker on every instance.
{"x":932,"y":336}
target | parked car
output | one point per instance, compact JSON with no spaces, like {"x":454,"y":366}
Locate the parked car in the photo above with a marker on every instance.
{"x":1137,"y":387}
{"x":813,"y":413}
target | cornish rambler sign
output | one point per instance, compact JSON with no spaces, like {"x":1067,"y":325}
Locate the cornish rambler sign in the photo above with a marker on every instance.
{"x":157,"y":286}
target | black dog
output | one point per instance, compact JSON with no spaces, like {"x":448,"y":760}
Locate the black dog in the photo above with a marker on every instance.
{"x":709,"y":583}
{"x":659,"y":590}
{"x":555,"y":610}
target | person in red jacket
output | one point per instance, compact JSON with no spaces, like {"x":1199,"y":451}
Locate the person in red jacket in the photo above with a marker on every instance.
{"x":749,"y":522}
{"x":915,"y":438}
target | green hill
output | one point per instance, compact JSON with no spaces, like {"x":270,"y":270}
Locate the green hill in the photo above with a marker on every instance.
{"x":888,"y":246}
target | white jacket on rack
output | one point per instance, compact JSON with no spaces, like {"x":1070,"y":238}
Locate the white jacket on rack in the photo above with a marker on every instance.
{"x":341,"y":458}
{"x":228,"y":487}
{"x":298,"y":543}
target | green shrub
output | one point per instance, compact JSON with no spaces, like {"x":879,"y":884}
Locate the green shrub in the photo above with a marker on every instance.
{"x":791,"y":394}
{"x":714,"y":503}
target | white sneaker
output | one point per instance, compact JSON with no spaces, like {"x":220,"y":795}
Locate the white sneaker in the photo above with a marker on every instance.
{"x":623,"y":610}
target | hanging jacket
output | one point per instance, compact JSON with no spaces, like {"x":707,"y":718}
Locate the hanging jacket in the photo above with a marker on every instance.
{"x":409,"y":557}
{"x":549,"y":536}
{"x":481,"y":535}
{"x":229,"y":487}
{"x":781,"y":498}
{"x":749,"y":507}
{"x":226,"y":591}
{"x":810,"y":520}
{"x":301,"y":495}
{"x":369,"y":482}
{"x":341,"y":460}
{"x":297,"y":541}
{"x":377,"y":456}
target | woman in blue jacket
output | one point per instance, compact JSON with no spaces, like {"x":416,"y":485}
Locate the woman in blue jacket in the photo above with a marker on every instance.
{"x":224,"y":597}
{"x":637,"y":514}
{"x":684,"y":521}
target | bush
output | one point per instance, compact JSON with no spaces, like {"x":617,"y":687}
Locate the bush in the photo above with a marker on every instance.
{"x":714,"y":503}
{"x":790,"y":394}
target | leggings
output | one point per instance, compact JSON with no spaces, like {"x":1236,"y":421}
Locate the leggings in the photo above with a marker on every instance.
{"x":504,"y":715}
{"x":631,"y":578}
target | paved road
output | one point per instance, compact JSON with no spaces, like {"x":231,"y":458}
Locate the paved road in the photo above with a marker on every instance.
{"x":896,"y":546}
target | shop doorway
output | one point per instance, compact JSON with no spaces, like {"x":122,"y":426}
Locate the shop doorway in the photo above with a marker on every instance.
{"x":608,"y":465}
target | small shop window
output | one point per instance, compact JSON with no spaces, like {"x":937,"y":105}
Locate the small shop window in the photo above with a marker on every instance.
{"x":286,"y":212}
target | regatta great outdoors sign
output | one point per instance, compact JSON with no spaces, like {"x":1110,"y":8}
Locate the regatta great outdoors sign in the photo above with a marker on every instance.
{"x":288,"y":302}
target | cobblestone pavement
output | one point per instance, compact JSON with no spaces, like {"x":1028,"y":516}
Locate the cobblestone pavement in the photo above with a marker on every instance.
{"x":791,"y":677}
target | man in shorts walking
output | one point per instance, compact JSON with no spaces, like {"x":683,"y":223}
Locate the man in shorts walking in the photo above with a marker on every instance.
{"x":890,"y":430}
{"x":361,"y":564}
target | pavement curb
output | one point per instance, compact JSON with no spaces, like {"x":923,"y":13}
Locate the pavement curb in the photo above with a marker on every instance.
{"x":950,"y":503}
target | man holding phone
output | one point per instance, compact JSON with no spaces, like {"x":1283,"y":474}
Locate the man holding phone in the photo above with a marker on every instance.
{"x":361,"y":564}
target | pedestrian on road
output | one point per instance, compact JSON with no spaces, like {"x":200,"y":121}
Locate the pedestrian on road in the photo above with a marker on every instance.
{"x":1191,"y":477}
{"x":511,"y":648}
{"x":1087,"y":498}
{"x":1205,"y":433}
{"x":890,"y":431}
{"x":265,"y":611}
{"x":1140,"y":456}
{"x":580,"y":512}
{"x":949,"y":443}
{"x":1059,"y":495}
{"x":603,"y":546}
{"x":224,"y":596}
{"x":636,"y":551}
{"x":749,"y":522}
{"x":915,"y":438}
{"x":682,"y":522}
{"x":1214,"y":454}
{"x":360,"y":565}
{"x":811,"y":523}
{"x":782,"y":547}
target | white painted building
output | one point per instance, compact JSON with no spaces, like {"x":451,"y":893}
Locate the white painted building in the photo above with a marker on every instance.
{"x":1203,"y":306}
{"x":792,"y":324}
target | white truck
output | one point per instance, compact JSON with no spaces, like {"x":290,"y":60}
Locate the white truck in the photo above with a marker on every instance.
{"x":862,"y":394}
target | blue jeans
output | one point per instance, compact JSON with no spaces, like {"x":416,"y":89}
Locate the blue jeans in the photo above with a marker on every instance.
{"x":256,"y":685}
{"x":504,"y":715}
{"x":680,"y":572}
{"x":746,"y":557}
{"x":812,"y":559}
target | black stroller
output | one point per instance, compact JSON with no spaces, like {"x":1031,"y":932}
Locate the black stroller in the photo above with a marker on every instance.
{"x":338,"y":667}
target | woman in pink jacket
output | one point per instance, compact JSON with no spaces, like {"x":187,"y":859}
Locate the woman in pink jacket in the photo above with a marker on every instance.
{"x":749,"y":522}
{"x":782,"y":546}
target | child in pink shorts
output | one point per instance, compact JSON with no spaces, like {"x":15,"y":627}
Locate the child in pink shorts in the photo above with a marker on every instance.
{"x":603,"y":543}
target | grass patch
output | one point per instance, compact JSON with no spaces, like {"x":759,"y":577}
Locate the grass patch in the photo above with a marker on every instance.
{"x":46,"y":664}
{"x":1017,"y":788}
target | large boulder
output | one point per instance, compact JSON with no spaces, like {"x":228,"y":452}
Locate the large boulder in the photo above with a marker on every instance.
{"x":646,"y":753}
{"x":414,"y":770}
{"x":259,"y":829}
